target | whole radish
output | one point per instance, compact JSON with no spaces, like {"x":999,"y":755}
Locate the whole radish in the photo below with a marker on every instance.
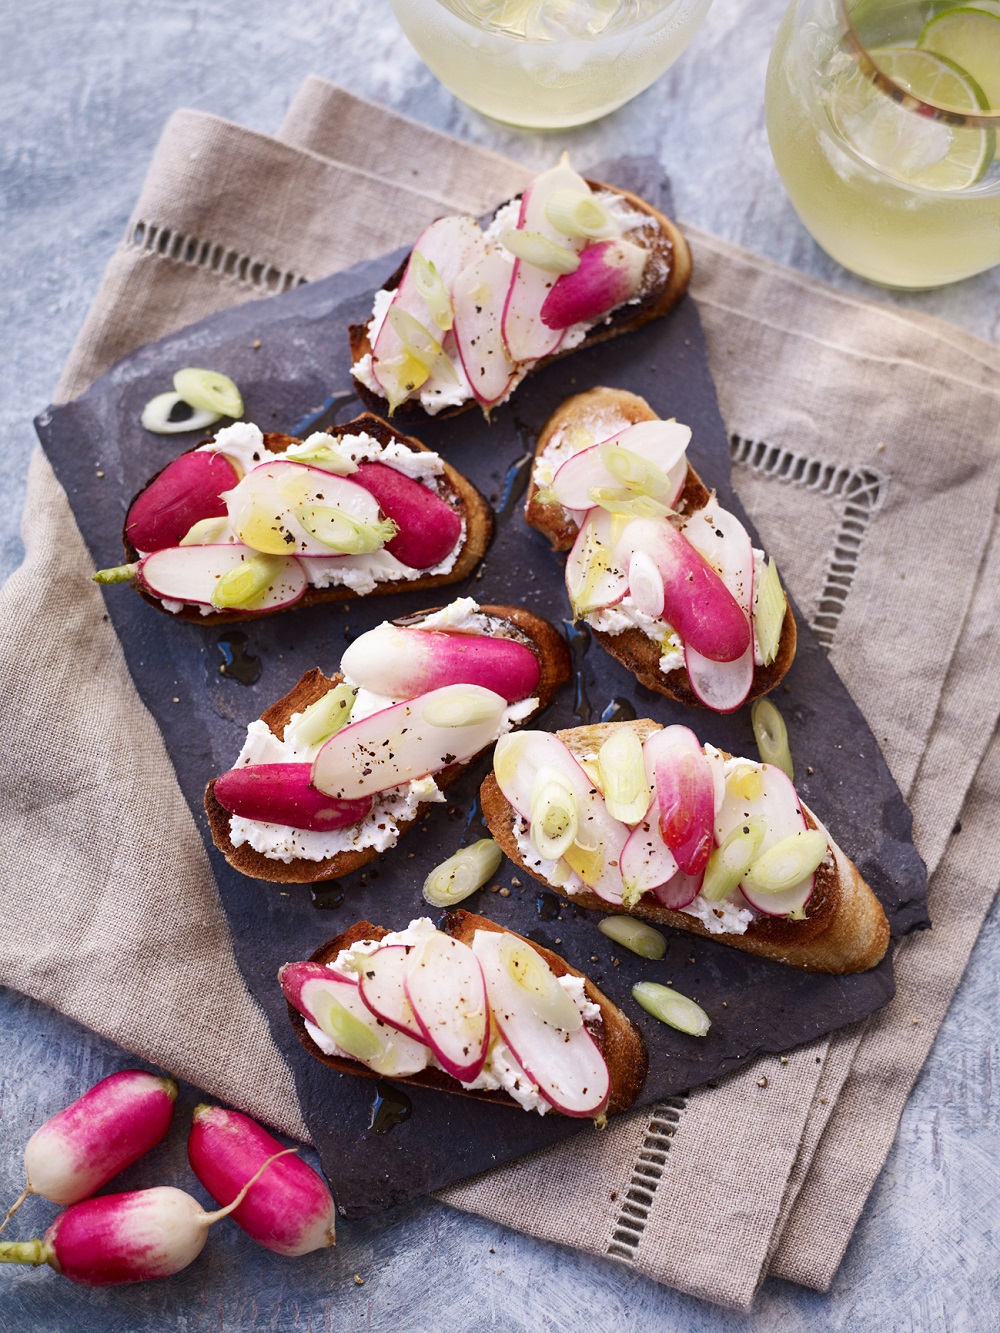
{"x":107,"y":1129}
{"x":120,"y":1238}
{"x":291,"y":1212}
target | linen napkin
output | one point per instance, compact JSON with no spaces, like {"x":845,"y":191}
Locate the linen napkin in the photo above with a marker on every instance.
{"x":849,"y":421}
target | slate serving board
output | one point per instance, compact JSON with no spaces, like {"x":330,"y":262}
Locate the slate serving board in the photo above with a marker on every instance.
{"x":289,"y":356}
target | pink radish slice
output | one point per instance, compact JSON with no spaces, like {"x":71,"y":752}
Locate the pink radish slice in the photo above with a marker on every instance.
{"x":780,"y":808}
{"x":479,"y":295}
{"x":646,"y":860}
{"x":394,"y":662}
{"x":445,"y":988}
{"x":525,"y":336}
{"x":696,"y":602}
{"x":289,"y":1211}
{"x":683,"y":781}
{"x":382,"y":983}
{"x":297,"y":979}
{"x":186,"y":491}
{"x":661,"y":442}
{"x":566,"y":1067}
{"x":284,"y":794}
{"x":721,"y":686}
{"x":262,"y":507}
{"x":429,"y":529}
{"x":408,"y":740}
{"x":190,"y":573}
{"x":721,"y":539}
{"x":610,"y":274}
{"x":595,"y":576}
{"x":679,"y":892}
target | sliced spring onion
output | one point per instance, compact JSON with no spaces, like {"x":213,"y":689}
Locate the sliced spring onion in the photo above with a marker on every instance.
{"x":430,"y":285}
{"x":554,"y":814}
{"x":206,"y":532}
{"x":746,"y":782}
{"x":635,"y":472}
{"x":769,"y":606}
{"x":577,"y":214}
{"x":634,"y":935}
{"x":420,"y":344}
{"x":400,"y":376}
{"x":209,"y":390}
{"x":324,"y":457}
{"x":598,"y":562}
{"x":729,"y":863}
{"x":462,"y":874}
{"x":459,"y":710}
{"x":533,"y":975}
{"x":156,"y":416}
{"x":321,"y":719}
{"x":341,"y":1026}
{"x":342,"y":532}
{"x":620,"y":500}
{"x":116,"y":574}
{"x":788,"y":862}
{"x":545,"y":495}
{"x":623,"y":776}
{"x":538,"y":251}
{"x":245,"y":585}
{"x":588,"y":862}
{"x":672,"y":1008}
{"x":772,"y":736}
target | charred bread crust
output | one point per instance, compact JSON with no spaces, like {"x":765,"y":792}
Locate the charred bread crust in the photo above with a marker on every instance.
{"x":632,"y":648}
{"x":845,"y":929}
{"x":548,"y":646}
{"x":664,"y":282}
{"x":620,"y":1043}
{"x":457,"y":490}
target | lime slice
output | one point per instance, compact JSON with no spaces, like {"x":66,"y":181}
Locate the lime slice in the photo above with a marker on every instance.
{"x":987,"y":6}
{"x":916,"y":150}
{"x":970,"y":38}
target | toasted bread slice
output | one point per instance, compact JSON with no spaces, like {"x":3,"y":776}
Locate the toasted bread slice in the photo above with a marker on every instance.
{"x":845,"y":929}
{"x":548,"y":646}
{"x":619,"y":1042}
{"x":616,"y":409}
{"x":456,"y":489}
{"x":665,"y":280}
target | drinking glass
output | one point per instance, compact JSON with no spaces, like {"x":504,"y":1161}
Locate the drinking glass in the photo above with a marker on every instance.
{"x":882,"y":117}
{"x":548,"y":64}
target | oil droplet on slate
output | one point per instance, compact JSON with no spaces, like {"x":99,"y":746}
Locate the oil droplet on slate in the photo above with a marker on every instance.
{"x":389,"y":1109}
{"x":578,"y":639}
{"x":327,"y":896}
{"x":238,"y":663}
{"x":619,"y":710}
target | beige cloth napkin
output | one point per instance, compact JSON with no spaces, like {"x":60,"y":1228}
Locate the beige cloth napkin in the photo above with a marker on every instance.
{"x":853,"y":425}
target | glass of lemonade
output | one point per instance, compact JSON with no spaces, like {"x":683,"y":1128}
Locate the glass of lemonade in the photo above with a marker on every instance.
{"x":884,"y":121}
{"x":548,"y":64}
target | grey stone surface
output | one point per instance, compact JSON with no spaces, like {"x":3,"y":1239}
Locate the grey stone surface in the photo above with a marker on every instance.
{"x":86,"y":87}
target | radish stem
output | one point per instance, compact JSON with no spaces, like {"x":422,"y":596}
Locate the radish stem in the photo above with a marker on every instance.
{"x":16,"y":1205}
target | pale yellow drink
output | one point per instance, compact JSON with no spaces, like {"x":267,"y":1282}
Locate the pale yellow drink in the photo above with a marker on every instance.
{"x":875,"y":219}
{"x":547,"y":64}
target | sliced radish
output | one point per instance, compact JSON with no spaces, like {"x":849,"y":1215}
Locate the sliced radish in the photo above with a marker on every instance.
{"x":567,"y":1067}
{"x":382,"y":983}
{"x":447,"y":994}
{"x":600,"y":838}
{"x":395,"y":662}
{"x":409,"y":740}
{"x":525,"y":336}
{"x":610,"y":274}
{"x":191,"y":573}
{"x":262,"y":508}
{"x":646,"y":860}
{"x":663,"y":443}
{"x":187,"y":490}
{"x":595,"y":577}
{"x":721,"y":539}
{"x":479,"y":295}
{"x":679,"y":892}
{"x":721,"y":686}
{"x":284,"y":794}
{"x":429,"y":529}
{"x":683,"y":781}
{"x":777,"y":803}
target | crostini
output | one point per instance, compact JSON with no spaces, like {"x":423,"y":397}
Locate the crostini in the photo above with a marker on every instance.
{"x":248,"y":524}
{"x":469,"y":313}
{"x":668,"y":580}
{"x":472,"y":1009}
{"x":332,"y":774}
{"x":634,"y":817}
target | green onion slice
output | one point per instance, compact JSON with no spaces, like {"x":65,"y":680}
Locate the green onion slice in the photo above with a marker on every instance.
{"x":634,"y":935}
{"x":209,"y":390}
{"x":787,"y":863}
{"x":459,"y":710}
{"x":325,"y":458}
{"x":729,"y":863}
{"x":623,"y":776}
{"x":419,"y":344}
{"x":322,"y":719}
{"x":533,"y":974}
{"x":156,"y":416}
{"x":672,"y":1008}
{"x":341,"y":1026}
{"x":538,"y":251}
{"x":245,"y":585}
{"x":769,"y":606}
{"x":206,"y":532}
{"x":635,"y":472}
{"x":430,"y":285}
{"x":620,"y":500}
{"x":462,"y":874}
{"x":554,"y":818}
{"x":342,"y":532}
{"x":771,"y":735}
{"x":581,"y":215}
